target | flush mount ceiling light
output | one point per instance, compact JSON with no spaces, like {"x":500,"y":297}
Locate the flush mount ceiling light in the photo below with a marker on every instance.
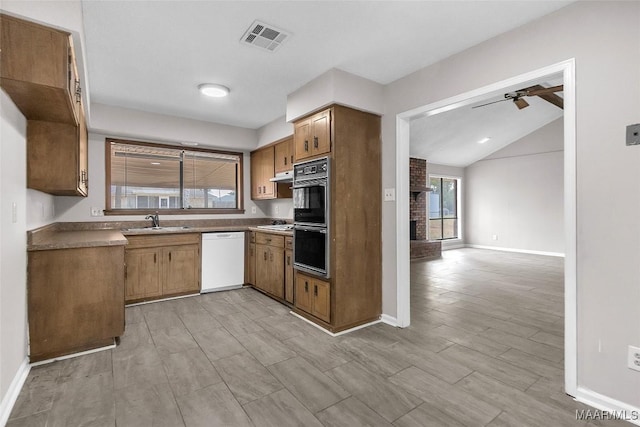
{"x":189,"y":144}
{"x":213,"y":90}
{"x":483,"y":140}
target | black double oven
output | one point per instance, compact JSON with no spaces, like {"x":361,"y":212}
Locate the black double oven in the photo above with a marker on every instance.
{"x":311,"y":212}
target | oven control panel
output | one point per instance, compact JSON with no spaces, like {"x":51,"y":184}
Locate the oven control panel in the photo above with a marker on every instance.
{"x":312,"y":169}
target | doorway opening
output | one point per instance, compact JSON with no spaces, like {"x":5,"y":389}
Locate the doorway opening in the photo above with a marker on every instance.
{"x":566,"y":70}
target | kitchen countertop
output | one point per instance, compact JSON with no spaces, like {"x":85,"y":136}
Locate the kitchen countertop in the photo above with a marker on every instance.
{"x":83,"y":235}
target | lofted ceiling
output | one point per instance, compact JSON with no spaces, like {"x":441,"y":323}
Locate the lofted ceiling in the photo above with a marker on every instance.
{"x":152,"y":55}
{"x":451,"y":138}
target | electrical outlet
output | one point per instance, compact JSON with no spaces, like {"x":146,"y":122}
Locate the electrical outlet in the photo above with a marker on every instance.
{"x":633,"y":134}
{"x":253,"y":209}
{"x":96,"y":211}
{"x":634,"y":358}
{"x":277,"y":209}
{"x":389,"y":194}
{"x":494,"y":237}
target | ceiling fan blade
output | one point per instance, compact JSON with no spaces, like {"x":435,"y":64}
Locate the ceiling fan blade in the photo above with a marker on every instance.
{"x":520,"y":103}
{"x":547,"y":94}
{"x":541,"y":90}
{"x":489,"y":103}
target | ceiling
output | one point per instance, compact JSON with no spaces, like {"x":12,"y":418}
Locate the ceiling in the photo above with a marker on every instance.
{"x":451,"y":138}
{"x":151,"y":56}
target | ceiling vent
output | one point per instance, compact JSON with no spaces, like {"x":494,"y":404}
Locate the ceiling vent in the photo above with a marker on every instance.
{"x":264,"y":36}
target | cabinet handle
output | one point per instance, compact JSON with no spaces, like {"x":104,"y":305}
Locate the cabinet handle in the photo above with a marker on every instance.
{"x":259,"y":190}
{"x":154,"y":258}
{"x":285,"y":160}
{"x":265,"y":256}
{"x":78,"y":91}
{"x":288,"y":260}
{"x":126,"y":271}
{"x":306,"y":145}
{"x":169,"y":256}
{"x":291,"y":159}
{"x":315,"y":142}
{"x":306,"y":286}
{"x":270,"y":256}
{"x":315,"y":290}
{"x":264,"y":189}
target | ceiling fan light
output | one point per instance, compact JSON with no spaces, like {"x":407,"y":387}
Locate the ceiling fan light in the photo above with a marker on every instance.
{"x":213,"y":90}
{"x":520,"y":103}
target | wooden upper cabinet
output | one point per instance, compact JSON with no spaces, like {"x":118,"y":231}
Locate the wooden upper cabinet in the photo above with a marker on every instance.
{"x":284,"y":156}
{"x":38,"y":71}
{"x":262,"y":170}
{"x":312,"y":135}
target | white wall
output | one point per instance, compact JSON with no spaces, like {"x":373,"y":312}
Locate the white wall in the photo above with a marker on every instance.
{"x":604,"y":39}
{"x":517,"y":194}
{"x":13,"y":243}
{"x":274,"y":131}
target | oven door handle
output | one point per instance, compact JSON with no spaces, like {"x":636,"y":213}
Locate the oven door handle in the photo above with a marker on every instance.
{"x":310,"y":183}
{"x":313,"y":229}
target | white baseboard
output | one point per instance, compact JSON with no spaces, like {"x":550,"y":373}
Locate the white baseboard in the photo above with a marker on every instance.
{"x":72,"y":355}
{"x":521,"y":251}
{"x":607,"y":404}
{"x":337,"y":334}
{"x":12,"y":393}
{"x":389,"y":320}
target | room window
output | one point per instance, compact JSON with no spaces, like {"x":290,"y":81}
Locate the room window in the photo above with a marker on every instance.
{"x":143,"y":177}
{"x":443,"y":208}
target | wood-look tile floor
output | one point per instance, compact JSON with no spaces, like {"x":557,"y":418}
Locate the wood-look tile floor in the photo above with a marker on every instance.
{"x":485,"y":348}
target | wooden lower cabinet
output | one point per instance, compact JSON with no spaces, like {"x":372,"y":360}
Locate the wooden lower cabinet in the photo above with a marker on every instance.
{"x":162,"y":266}
{"x":269,"y":265}
{"x":288,"y":276}
{"x":75,"y":300}
{"x":313,"y":296}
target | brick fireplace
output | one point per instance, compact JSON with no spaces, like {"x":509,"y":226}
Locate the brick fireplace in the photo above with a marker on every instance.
{"x":420,"y":246}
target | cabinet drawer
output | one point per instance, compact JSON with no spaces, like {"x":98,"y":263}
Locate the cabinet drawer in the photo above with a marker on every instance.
{"x":288,"y":242}
{"x":147,"y":241}
{"x":270,"y":239}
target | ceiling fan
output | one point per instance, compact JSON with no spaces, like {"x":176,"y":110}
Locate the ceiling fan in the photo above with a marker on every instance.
{"x":546,"y":93}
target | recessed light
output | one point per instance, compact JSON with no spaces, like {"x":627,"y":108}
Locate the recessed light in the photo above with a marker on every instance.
{"x":189,"y":144}
{"x":483,"y":140}
{"x":155,"y":163}
{"x":213,"y":90}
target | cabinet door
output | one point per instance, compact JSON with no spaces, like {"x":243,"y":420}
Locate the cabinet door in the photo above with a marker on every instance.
{"x":181,"y":269}
{"x":262,"y":268}
{"x":302,"y":140}
{"x":288,"y":276}
{"x":276,"y":261}
{"x":251,"y":264}
{"x":268,"y":172}
{"x":142,"y":274}
{"x":321,"y":300}
{"x":321,"y":133}
{"x":284,"y":156}
{"x":303,"y":285}
{"x":83,"y":155}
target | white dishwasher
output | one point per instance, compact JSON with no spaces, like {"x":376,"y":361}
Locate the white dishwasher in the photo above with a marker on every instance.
{"x":222,"y":261}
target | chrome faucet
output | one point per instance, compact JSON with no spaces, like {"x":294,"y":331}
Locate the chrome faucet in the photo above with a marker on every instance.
{"x":155,"y":221}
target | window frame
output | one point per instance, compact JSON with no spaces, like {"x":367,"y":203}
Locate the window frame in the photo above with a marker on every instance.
{"x":182,"y":211}
{"x":441,"y":218}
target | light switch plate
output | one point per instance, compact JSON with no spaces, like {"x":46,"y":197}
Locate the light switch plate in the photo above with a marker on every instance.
{"x":633,"y":134}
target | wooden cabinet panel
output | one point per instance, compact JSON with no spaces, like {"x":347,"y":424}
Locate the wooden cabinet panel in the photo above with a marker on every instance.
{"x":276,"y":261}
{"x":263,"y":270}
{"x":284,"y":156}
{"x":321,"y":133}
{"x":312,"y":136}
{"x":321,"y":307}
{"x":302,"y":140}
{"x":38,"y":70}
{"x":251,"y":264}
{"x":303,"y":286}
{"x":75,"y":300}
{"x":270,"y":264}
{"x":181,"y":270}
{"x":270,"y":239}
{"x":142,"y":273}
{"x":262,"y":169}
{"x":313,"y":296}
{"x":162,"y":266}
{"x":288,"y":276}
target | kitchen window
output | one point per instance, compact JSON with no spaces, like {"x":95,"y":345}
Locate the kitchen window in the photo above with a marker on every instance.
{"x":143,"y":177}
{"x":443,"y":208}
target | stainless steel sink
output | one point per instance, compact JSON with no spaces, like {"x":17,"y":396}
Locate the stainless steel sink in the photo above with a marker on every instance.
{"x":179,"y":228}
